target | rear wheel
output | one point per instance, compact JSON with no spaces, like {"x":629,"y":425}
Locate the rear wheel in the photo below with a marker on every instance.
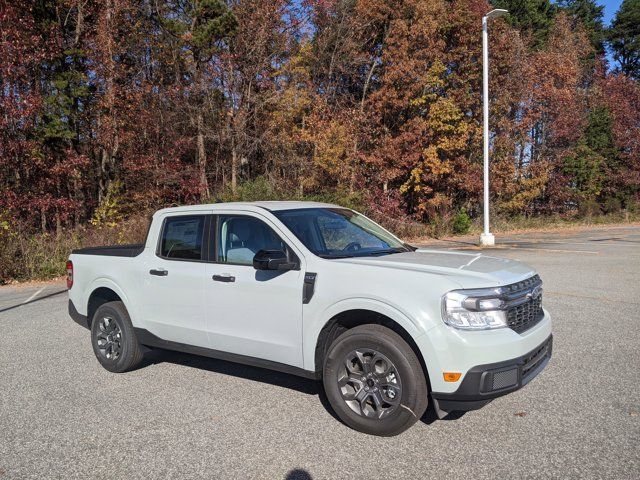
{"x":374,"y":381}
{"x":113,"y":338}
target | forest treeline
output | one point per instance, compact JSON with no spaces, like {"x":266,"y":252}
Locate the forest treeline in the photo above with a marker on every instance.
{"x":113,"y":107}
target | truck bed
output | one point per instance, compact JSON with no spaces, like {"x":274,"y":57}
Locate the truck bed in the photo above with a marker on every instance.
{"x":131,"y":250}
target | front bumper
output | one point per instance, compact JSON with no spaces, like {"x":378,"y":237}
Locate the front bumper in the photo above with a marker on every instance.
{"x":483,"y":383}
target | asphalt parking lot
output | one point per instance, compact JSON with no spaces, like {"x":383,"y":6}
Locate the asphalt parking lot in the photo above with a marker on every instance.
{"x":181,"y":416}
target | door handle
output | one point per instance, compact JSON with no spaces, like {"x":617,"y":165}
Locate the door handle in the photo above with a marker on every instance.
{"x":160,"y":272}
{"x":225,"y":277}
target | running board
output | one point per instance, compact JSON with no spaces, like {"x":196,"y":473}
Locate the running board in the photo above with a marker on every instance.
{"x":145,"y":337}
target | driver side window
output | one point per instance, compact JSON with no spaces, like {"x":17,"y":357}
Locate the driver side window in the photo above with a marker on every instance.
{"x":241,"y":237}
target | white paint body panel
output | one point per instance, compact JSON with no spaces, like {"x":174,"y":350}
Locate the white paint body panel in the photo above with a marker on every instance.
{"x":262,"y":314}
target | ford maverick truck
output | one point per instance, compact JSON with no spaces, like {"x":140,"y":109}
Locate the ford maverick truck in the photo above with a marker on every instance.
{"x":320,"y":291}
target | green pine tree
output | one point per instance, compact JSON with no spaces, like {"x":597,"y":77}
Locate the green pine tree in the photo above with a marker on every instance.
{"x":66,"y":100}
{"x":583,"y":166}
{"x":624,"y":38}
{"x":590,"y":14}
{"x":207,"y":21}
{"x":598,"y":135}
{"x":531,"y":16}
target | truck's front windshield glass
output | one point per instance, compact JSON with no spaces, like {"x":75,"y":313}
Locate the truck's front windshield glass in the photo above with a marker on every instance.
{"x":339,"y":233}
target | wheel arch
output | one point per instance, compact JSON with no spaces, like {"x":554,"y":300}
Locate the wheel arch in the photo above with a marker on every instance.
{"x":343,"y":320}
{"x":102,"y":292}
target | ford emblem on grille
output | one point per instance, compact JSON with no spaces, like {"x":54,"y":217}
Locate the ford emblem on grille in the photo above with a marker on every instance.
{"x":535,"y":293}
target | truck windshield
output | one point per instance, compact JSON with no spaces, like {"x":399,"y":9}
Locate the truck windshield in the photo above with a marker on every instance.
{"x":339,"y":233}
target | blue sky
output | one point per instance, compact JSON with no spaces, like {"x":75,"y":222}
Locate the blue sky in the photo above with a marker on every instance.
{"x":610,"y":9}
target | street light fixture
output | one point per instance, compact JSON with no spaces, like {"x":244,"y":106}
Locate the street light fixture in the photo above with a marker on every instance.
{"x":487,"y":239}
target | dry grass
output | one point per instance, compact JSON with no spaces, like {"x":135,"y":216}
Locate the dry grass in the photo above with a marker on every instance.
{"x":43,"y":256}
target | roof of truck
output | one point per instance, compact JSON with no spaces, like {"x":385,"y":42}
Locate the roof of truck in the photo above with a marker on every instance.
{"x":267,"y":205}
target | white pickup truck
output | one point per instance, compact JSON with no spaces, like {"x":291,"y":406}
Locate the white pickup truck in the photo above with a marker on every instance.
{"x":320,"y":291}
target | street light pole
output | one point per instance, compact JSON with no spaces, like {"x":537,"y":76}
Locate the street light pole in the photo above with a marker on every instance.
{"x":486,"y":239}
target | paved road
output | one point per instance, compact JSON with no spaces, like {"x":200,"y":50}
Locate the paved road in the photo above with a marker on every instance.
{"x":180,"y":416}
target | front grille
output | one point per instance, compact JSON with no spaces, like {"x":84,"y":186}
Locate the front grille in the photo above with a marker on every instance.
{"x":524,"y":303}
{"x":524,"y":316}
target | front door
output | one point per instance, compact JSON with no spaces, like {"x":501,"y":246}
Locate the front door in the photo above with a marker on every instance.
{"x":252,"y":312}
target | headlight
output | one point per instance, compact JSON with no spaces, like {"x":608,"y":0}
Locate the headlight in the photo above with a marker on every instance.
{"x":480,"y":309}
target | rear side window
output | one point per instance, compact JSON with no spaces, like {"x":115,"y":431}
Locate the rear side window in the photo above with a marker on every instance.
{"x":182,"y":237}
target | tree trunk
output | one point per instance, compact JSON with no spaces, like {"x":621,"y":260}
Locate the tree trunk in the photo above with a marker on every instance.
{"x":366,"y":85}
{"x":234,"y":166}
{"x":109,"y":147}
{"x":103,"y":174}
{"x":202,"y":160}
{"x":58,"y":224}
{"x":352,"y":165}
{"x":43,"y":219}
{"x":78,"y":195}
{"x":79,"y":19}
{"x":365,"y":88}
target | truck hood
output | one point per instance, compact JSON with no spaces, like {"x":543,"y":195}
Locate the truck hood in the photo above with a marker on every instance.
{"x":468,"y":269}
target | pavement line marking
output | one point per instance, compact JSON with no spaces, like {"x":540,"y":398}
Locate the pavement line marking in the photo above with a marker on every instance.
{"x":556,"y":250}
{"x":586,"y":243}
{"x":508,"y":247}
{"x":22,"y":304}
{"x":33,"y":296}
{"x":589,"y":297}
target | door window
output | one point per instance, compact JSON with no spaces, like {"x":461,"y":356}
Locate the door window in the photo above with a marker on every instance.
{"x":182,"y":237}
{"x":241,"y":237}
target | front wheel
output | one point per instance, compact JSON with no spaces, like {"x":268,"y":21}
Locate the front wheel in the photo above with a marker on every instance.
{"x":113,"y":338}
{"x":374,"y":381}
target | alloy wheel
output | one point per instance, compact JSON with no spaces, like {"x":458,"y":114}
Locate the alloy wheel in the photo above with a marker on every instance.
{"x":369,"y":383}
{"x":109,"y":338}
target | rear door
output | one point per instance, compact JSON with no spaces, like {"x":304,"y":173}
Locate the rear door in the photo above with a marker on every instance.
{"x":251,"y":312}
{"x":174,"y":279}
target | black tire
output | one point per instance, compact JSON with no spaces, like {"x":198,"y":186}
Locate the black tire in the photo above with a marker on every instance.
{"x":378,"y":346}
{"x":113,"y":338}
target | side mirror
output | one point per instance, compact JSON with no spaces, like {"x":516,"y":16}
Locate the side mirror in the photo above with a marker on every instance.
{"x":273,"y":260}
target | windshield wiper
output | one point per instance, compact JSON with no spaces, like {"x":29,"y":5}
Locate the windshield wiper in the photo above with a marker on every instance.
{"x":387,"y":251}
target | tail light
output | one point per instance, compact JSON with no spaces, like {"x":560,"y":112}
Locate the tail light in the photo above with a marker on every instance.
{"x":69,"y":274}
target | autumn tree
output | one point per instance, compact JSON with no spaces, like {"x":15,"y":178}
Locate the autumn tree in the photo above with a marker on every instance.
{"x":397,"y":107}
{"x":112,"y":108}
{"x":201,"y":29}
{"x":25,"y":46}
{"x":621,"y":101}
{"x":45,"y":96}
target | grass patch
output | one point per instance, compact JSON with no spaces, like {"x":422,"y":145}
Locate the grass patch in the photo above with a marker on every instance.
{"x":25,"y":256}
